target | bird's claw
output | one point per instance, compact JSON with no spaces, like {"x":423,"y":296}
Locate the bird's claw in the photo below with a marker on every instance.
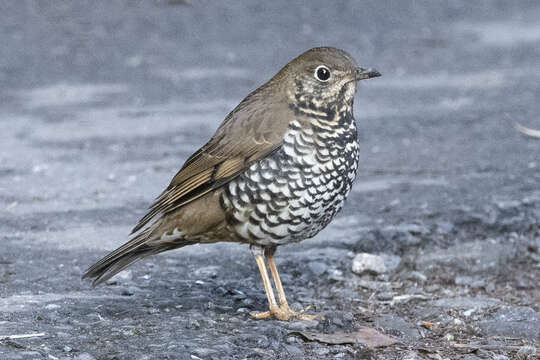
{"x":284,"y":313}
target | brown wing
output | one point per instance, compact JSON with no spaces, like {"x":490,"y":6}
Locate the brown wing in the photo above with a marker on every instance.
{"x":249,"y":133}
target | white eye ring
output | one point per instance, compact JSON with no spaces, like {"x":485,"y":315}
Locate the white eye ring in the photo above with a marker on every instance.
{"x":322,"y":73}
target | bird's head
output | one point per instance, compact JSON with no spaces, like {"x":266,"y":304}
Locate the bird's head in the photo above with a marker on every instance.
{"x":322,"y":78}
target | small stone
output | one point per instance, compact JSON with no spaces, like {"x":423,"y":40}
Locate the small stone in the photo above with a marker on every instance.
{"x":449,"y":337}
{"x":237,"y":294}
{"x":513,"y":321}
{"x":317,"y":268}
{"x":302,"y":325}
{"x":526,"y":352}
{"x":52,"y":306}
{"x":385,"y":296}
{"x":262,"y":341}
{"x":84,"y":356}
{"x":247,"y":301}
{"x":294,"y":350}
{"x":123,"y":276}
{"x":321,"y":351}
{"x":500,"y":357}
{"x":391,"y":261}
{"x":469,"y":281}
{"x":411,"y":355}
{"x":467,"y":303}
{"x":127,"y":292}
{"x":291,"y":339}
{"x":193,"y":324}
{"x":417,"y":276}
{"x":336,"y":275}
{"x":211,"y":271}
{"x":398,"y":326}
{"x":204,"y":352}
{"x":365,"y":262}
{"x":375,"y":285}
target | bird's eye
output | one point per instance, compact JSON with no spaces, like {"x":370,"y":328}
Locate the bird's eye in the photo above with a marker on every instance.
{"x":322,"y":73}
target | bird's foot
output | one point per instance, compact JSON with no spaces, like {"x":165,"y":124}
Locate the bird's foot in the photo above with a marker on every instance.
{"x":284,"y":312}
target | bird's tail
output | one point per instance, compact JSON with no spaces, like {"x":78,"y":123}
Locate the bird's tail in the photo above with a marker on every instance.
{"x":137,"y":248}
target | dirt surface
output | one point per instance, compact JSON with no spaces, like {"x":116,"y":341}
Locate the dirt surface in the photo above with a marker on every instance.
{"x":101,"y":103}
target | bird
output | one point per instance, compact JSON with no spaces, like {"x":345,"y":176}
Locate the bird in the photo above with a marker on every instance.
{"x":276,"y":171}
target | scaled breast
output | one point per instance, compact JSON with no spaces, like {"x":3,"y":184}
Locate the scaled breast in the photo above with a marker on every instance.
{"x":295,"y":192}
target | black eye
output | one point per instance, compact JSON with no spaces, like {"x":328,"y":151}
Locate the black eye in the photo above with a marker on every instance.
{"x":322,"y":73}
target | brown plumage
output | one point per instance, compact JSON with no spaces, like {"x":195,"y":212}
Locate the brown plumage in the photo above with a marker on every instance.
{"x":244,"y":184}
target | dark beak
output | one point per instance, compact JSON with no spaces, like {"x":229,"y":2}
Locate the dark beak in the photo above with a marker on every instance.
{"x":362,"y":74}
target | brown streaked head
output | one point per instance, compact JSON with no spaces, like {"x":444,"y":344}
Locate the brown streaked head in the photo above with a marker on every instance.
{"x":323,"y":76}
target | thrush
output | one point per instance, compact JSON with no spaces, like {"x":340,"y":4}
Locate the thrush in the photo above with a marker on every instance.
{"x":276,"y":171}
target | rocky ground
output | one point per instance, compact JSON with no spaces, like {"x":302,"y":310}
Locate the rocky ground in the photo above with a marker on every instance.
{"x":101,"y":103}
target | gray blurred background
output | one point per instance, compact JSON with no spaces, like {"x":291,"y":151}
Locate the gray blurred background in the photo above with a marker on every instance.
{"x":101,"y":102}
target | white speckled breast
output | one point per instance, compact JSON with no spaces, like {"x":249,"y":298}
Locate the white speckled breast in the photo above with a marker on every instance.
{"x":294,"y":193}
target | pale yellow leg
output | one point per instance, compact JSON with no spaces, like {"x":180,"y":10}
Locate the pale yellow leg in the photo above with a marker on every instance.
{"x":277,"y":281}
{"x":259,"y":259}
{"x":283,"y":304}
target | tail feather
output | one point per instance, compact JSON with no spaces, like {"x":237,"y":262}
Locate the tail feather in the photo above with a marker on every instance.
{"x":137,"y":248}
{"x":104,"y":270}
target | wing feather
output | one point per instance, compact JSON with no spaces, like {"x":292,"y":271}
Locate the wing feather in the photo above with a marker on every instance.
{"x":248,"y":134}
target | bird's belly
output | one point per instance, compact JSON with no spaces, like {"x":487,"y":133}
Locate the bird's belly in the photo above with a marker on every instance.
{"x":289,"y":197}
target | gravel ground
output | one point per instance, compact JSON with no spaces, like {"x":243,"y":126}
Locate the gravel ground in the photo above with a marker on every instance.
{"x":101,"y":102}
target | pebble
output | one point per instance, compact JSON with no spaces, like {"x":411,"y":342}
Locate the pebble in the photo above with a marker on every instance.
{"x":375,"y":285}
{"x":398,"y":326}
{"x":370,"y":263}
{"x":470,"y":357}
{"x":385,"y":296}
{"x":321,"y":351}
{"x":317,"y":268}
{"x":203,"y":352}
{"x":391,"y":261}
{"x":513,"y":321}
{"x":84,"y":356}
{"x":411,"y":355}
{"x":302,"y":325}
{"x":336,"y":275}
{"x":204,"y":272}
{"x":417,"y":276}
{"x":469,"y":281}
{"x":294,"y":350}
{"x":123,"y":276}
{"x":193,"y":324}
{"x":527,"y":352}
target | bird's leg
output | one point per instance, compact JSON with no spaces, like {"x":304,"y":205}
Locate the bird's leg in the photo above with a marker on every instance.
{"x":283,"y":304}
{"x":259,"y":259}
{"x":277,"y":281}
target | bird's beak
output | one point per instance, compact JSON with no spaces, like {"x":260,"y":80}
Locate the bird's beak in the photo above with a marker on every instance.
{"x":362,"y":74}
